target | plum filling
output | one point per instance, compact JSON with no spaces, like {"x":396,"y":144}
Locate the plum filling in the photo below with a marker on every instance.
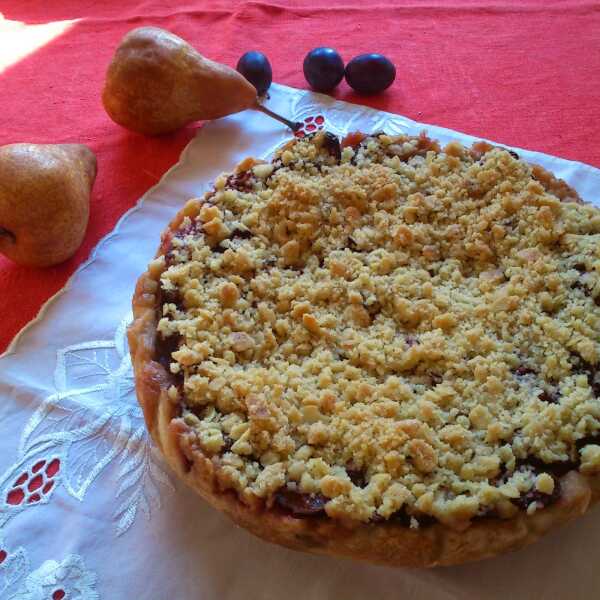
{"x":331,"y":143}
{"x":522,"y":371}
{"x":304,"y":505}
{"x":301,"y":505}
{"x":536,"y":466}
{"x":584,"y":283}
{"x":550,"y":396}
{"x":411,"y":341}
{"x":242,"y":182}
{"x":357,"y":476}
{"x":165,"y":346}
{"x":166,"y":248}
{"x":234,"y":237}
{"x":592,"y":372}
{"x":228,"y":441}
{"x":549,"y":392}
{"x":541,"y":500}
{"x":240,"y":234}
{"x":351,"y":244}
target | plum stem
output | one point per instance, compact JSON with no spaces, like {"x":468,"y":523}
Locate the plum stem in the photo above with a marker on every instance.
{"x":8,"y":234}
{"x":293,"y":125}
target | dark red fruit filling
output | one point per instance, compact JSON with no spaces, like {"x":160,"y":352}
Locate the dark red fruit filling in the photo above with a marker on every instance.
{"x":592,"y":372}
{"x":301,"y":505}
{"x":165,"y":346}
{"x":242,"y":182}
{"x":357,"y":476}
{"x":550,"y":396}
{"x":555,"y":470}
{"x":542,"y":500}
{"x":332,"y":144}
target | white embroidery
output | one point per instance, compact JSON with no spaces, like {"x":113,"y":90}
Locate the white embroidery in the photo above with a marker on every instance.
{"x":68,"y":579}
{"x":14,"y":566}
{"x":339,"y":122}
{"x":91,"y":420}
{"x":304,"y":106}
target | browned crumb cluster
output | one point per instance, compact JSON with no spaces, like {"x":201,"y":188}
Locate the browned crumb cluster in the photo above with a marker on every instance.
{"x":387,"y":330}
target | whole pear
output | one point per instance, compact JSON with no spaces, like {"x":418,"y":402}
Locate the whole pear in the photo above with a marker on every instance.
{"x":44,"y":201}
{"x":157,"y":83}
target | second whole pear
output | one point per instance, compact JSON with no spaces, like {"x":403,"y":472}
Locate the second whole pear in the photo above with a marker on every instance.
{"x":157,"y":83}
{"x":44,"y":201}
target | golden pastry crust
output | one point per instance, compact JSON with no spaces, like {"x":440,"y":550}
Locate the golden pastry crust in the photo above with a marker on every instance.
{"x":459,"y":533}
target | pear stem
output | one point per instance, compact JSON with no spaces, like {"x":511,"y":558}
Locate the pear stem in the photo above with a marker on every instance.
{"x":293,"y":125}
{"x":8,"y":234}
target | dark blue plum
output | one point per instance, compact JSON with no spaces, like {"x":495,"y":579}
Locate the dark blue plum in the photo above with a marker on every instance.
{"x":323,"y":69}
{"x":256,"y":68}
{"x":370,"y":73}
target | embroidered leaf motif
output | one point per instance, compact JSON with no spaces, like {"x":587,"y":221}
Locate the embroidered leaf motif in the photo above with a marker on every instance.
{"x":139,"y":479}
{"x":120,"y":390}
{"x":85,"y":365}
{"x":396,"y":126}
{"x":96,"y":445}
{"x":59,"y":417}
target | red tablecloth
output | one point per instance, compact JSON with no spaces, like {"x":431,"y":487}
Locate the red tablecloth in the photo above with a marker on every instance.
{"x":522,"y":72}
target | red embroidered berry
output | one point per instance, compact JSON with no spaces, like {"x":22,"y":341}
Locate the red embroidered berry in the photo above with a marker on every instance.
{"x":15,"y":496}
{"x":22,"y":479}
{"x":53,"y":468}
{"x":38,"y":466}
{"x":35,"y":483}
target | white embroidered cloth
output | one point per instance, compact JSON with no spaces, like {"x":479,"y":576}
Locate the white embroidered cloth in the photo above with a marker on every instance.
{"x":87,"y":508}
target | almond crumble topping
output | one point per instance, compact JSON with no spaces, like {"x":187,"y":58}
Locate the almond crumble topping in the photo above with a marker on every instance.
{"x":387,"y":330}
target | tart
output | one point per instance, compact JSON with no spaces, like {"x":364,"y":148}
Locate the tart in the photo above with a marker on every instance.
{"x":379,"y":348}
